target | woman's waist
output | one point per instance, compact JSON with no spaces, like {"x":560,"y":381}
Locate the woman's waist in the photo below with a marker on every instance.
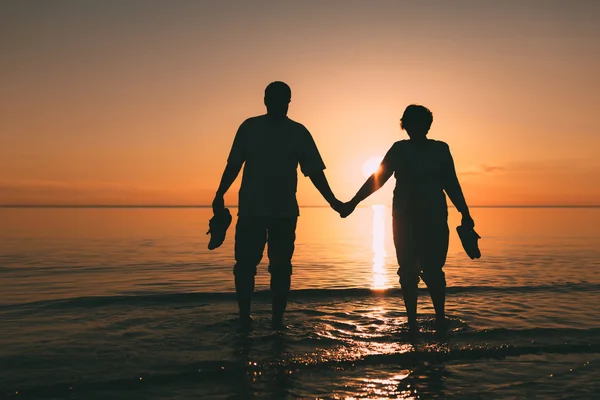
{"x":433,"y":202}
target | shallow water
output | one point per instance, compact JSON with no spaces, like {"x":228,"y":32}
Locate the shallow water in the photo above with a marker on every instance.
{"x":92,"y":300}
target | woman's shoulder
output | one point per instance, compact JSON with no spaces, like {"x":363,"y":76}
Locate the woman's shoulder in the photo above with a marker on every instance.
{"x":400,"y":144}
{"x":439,"y":146}
{"x":406,"y":144}
{"x":438,"y":143}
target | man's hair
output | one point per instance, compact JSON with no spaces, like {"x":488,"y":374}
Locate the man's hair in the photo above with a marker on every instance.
{"x":278,"y":91}
{"x":416,"y":117}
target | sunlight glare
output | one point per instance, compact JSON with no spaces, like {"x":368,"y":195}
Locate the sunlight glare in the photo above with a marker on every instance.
{"x":371,"y":166}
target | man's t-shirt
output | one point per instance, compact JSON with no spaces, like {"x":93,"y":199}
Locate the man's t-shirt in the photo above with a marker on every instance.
{"x":272,"y":149}
{"x":422,"y":171}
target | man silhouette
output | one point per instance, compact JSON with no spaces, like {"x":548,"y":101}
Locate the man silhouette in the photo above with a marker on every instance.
{"x":424,"y":170}
{"x":271,"y":146}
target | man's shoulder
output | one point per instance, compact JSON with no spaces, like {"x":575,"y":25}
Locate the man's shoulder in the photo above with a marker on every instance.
{"x":254,"y":120}
{"x":264,"y":119}
{"x":252,"y":124}
{"x":296,"y":126}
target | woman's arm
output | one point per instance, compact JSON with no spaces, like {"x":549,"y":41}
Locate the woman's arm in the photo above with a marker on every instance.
{"x":372,"y":184}
{"x":454,"y":191}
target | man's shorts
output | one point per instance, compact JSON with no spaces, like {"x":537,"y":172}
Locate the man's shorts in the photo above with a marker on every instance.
{"x":251,"y":236}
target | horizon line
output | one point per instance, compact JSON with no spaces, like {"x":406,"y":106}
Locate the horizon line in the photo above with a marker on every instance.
{"x":235,"y":206}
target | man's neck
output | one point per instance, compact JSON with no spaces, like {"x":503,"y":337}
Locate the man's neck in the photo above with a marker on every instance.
{"x":276,"y":116}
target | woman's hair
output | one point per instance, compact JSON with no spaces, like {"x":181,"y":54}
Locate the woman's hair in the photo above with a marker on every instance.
{"x":416,"y":118}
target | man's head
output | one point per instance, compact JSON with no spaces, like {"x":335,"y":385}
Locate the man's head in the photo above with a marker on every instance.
{"x":277,"y":98}
{"x":416,"y":121}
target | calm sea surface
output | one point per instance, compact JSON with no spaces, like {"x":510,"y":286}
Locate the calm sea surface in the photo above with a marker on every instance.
{"x":129,"y":303}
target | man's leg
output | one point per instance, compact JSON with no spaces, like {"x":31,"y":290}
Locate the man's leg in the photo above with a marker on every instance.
{"x":250,"y":239}
{"x":244,"y":288}
{"x":281,"y":238}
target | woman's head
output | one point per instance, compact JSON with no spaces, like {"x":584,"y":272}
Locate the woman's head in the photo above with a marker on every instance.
{"x":416,"y":121}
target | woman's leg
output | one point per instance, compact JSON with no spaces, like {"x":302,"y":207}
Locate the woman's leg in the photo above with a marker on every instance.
{"x":436,"y":285}
{"x":433,"y":258}
{"x":408,"y":270}
{"x":409,"y":284}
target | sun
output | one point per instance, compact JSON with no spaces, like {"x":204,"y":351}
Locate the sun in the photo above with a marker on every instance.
{"x":371,"y":166}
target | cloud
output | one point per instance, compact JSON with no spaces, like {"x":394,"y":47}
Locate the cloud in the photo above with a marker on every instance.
{"x":491,"y":168}
{"x":481,"y":170}
{"x":535,"y":182}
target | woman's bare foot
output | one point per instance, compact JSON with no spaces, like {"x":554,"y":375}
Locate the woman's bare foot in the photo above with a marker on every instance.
{"x":246,"y":321}
{"x":441,"y":325}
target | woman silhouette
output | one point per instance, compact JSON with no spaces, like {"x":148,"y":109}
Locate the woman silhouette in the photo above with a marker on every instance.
{"x":424,"y":170}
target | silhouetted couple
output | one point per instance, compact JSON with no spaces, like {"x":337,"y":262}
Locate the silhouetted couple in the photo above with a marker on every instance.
{"x":272,"y":146}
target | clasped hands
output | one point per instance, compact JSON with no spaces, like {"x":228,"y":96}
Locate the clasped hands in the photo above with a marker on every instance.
{"x":344,"y":209}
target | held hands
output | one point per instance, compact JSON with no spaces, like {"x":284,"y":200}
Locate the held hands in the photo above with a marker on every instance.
{"x":336,"y":205}
{"x":344,"y":209}
{"x":347,"y":209}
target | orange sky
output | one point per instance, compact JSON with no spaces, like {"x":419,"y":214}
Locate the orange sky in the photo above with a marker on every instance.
{"x":137,"y":102}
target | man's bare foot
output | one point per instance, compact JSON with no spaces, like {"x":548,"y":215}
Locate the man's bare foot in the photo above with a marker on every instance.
{"x":277,"y":322}
{"x":413,"y":326}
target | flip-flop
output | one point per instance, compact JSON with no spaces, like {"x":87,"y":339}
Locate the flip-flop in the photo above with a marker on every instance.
{"x":217,"y":228}
{"x":469,"y":239}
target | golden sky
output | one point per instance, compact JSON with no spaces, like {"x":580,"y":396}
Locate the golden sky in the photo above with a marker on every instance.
{"x":137,"y":102}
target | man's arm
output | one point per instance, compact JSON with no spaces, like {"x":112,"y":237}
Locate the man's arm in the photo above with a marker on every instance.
{"x":312,"y":165}
{"x":231,"y":172}
{"x":237,"y":157}
{"x":320,"y":181}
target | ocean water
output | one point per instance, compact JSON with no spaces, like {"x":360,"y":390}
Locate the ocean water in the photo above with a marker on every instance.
{"x":129,"y":303}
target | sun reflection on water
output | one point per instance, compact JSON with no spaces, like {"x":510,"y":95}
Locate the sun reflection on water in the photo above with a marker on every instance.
{"x":380,"y":280}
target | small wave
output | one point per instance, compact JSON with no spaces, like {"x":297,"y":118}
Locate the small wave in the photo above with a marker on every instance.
{"x":301,"y":294}
{"x":216,"y":370}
